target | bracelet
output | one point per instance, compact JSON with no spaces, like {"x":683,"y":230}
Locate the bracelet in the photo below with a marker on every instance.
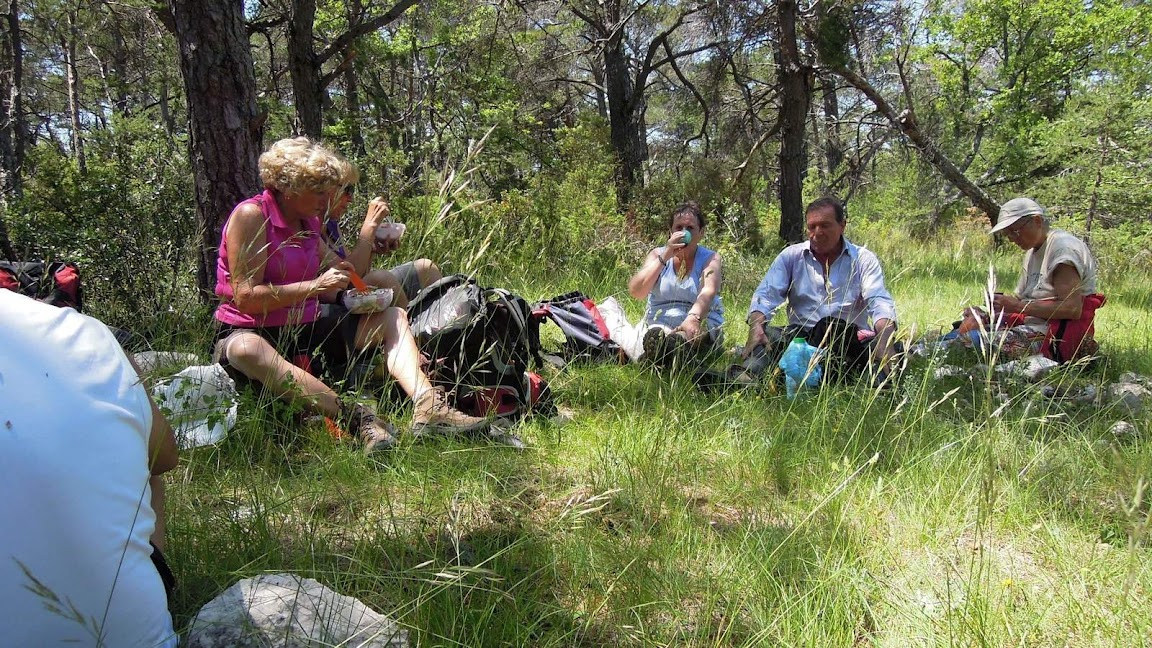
{"x":698,"y":319}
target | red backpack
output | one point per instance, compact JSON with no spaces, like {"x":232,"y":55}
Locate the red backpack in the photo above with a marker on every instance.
{"x":1070,"y":339}
{"x":56,"y":282}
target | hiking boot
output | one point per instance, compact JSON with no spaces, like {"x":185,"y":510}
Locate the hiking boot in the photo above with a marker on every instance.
{"x":677,"y":350}
{"x":433,"y":415}
{"x":654,"y":344}
{"x":377,"y":434}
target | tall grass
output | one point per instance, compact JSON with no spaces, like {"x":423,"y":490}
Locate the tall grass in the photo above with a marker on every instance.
{"x":960,"y":511}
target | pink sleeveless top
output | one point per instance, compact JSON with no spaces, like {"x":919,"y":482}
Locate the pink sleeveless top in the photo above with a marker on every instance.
{"x":292,"y":256}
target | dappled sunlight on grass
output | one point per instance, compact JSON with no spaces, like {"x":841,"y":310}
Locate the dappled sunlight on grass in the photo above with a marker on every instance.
{"x":960,"y":510}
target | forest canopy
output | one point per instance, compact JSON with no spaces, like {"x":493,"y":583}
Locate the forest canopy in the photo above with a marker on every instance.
{"x":135,"y":125}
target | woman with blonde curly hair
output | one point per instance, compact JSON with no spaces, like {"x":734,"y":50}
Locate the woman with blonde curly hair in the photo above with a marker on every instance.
{"x":270,"y":275}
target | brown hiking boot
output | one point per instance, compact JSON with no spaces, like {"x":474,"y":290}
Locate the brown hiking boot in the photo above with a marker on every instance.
{"x":433,"y":415}
{"x":377,"y":434}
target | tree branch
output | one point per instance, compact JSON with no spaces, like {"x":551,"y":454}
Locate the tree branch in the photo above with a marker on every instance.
{"x":907,"y":125}
{"x":703,"y":132}
{"x":358,"y":30}
{"x":771,"y":132}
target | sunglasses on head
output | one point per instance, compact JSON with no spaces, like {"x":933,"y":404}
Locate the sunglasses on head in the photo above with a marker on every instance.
{"x":350,"y":190}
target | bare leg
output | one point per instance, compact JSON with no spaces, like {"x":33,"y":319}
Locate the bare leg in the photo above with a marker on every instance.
{"x":157,"y":484}
{"x":388,"y":330}
{"x":254,"y":357}
{"x":427,"y":271}
{"x":380,"y":278}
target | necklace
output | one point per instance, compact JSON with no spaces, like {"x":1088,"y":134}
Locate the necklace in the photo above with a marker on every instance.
{"x":684,"y":267}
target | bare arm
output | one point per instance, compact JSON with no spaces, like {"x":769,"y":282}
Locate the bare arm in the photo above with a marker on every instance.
{"x":247,"y":257}
{"x":1068,"y":304}
{"x":162,"y":453}
{"x":360,"y":256}
{"x":645,"y":278}
{"x":883,"y":349}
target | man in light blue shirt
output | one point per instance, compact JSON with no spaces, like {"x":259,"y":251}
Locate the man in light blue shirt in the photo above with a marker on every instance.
{"x":835,"y":298}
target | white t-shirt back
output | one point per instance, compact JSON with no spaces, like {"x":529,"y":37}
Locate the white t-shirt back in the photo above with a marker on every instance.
{"x":75,"y":563}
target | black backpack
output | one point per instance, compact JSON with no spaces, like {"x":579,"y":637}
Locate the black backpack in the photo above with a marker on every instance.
{"x":477,"y":339}
{"x":586,"y":335}
{"x":56,"y":282}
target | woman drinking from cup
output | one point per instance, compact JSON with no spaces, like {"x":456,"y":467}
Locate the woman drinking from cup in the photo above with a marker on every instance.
{"x":681,"y":281}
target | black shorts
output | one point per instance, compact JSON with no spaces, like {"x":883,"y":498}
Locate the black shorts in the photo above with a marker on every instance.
{"x":323,"y":347}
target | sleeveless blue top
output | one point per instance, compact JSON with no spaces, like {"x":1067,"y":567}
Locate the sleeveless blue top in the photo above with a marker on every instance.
{"x":671,"y":298}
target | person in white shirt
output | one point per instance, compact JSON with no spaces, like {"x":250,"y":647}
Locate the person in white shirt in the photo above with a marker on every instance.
{"x":82,"y":446}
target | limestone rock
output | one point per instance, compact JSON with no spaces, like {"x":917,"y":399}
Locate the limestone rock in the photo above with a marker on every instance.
{"x":1123,"y":429}
{"x":1130,"y":396}
{"x":287,"y":611}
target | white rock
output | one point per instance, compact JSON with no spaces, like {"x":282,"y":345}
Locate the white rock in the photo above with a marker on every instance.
{"x":1031,"y":367}
{"x":287,"y":611}
{"x":1130,"y":396}
{"x":947,"y":371}
{"x":1132,"y":377}
{"x":149,"y":361}
{"x":1123,"y":429}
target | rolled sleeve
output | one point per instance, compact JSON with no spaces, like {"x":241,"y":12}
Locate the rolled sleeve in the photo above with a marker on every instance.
{"x":879,"y":301}
{"x":773,"y":289}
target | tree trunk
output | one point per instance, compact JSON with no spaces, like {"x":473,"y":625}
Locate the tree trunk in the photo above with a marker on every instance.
{"x":795,"y":95}
{"x":833,"y":145}
{"x":11,"y":120}
{"x":69,"y":47}
{"x":352,"y":86}
{"x":305,"y":70}
{"x":119,"y":82}
{"x":906,"y":123}
{"x":625,"y":118}
{"x":1094,"y":202}
{"x":12,"y":130}
{"x":220,"y":83}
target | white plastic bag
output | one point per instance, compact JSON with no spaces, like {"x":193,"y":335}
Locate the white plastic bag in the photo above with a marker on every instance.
{"x":200,"y":403}
{"x":150,"y":361}
{"x":620,"y":330}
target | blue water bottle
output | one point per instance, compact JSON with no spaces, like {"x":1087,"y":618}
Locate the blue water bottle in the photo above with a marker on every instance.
{"x":800,"y":369}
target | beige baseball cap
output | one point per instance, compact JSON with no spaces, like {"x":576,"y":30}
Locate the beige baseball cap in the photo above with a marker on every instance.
{"x":1014,"y":210}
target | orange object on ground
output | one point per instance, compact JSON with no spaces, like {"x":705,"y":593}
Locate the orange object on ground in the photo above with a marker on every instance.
{"x":334,"y":430}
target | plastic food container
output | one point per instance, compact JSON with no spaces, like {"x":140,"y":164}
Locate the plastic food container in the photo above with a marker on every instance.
{"x":390,"y":231}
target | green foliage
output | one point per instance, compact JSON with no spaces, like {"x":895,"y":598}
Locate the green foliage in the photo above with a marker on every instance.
{"x":833,"y":36}
{"x":567,"y":210}
{"x":128,"y":223}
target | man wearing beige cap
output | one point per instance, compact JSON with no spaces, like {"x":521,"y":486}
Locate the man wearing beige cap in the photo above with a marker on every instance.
{"x":1055,"y":296}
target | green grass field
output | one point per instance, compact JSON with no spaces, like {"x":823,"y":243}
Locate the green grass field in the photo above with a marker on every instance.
{"x":930,"y":515}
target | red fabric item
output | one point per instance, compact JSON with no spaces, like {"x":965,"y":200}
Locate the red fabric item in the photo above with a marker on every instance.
{"x":1069,"y":339}
{"x":67,"y":280}
{"x":304,"y":361}
{"x":8,"y":281}
{"x":536,"y":387}
{"x":597,"y":318}
{"x":490,"y":401}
